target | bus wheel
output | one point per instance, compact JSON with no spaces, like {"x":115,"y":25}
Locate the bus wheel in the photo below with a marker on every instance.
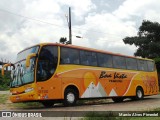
{"x":118,"y":99}
{"x":70,"y":97}
{"x":47,"y":104}
{"x":139,"y":93}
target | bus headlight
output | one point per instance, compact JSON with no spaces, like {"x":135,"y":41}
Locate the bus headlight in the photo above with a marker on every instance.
{"x":29,"y":90}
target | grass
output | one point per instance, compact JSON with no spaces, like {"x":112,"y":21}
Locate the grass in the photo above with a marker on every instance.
{"x":28,"y":105}
{"x":157,"y":109}
{"x":4,"y":98}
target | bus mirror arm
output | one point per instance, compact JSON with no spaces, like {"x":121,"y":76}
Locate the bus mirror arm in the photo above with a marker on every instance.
{"x":6,"y":65}
{"x":28,"y":59}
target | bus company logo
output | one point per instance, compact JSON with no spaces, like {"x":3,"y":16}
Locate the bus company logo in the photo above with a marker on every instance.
{"x":6,"y":114}
{"x":115,"y":75}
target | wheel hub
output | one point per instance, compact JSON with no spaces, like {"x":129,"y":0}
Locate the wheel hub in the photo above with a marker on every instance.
{"x":139,"y":94}
{"x":70,"y":97}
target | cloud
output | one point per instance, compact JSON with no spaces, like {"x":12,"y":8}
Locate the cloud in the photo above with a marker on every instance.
{"x":9,"y":22}
{"x":131,"y":8}
{"x":105,"y":30}
{"x":138,"y":10}
{"x":79,"y":8}
{"x":17,"y":32}
{"x":99,"y":27}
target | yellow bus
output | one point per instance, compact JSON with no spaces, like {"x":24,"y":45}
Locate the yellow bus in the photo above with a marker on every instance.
{"x":52,"y":72}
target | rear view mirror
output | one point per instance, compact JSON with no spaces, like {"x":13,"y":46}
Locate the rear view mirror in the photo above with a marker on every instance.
{"x":4,"y":66}
{"x":28,"y":59}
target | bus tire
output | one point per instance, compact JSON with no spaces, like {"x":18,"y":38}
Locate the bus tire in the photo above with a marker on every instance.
{"x":118,"y":99}
{"x":139,"y":93}
{"x":70,"y":97}
{"x":48,"y":104}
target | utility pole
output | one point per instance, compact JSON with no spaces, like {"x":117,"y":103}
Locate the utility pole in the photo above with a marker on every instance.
{"x":70,"y":27}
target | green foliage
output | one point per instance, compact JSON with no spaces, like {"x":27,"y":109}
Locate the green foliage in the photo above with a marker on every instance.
{"x":157,"y":61}
{"x":63,"y":40}
{"x":157,"y":109}
{"x":28,"y":105}
{"x":147,"y":40}
{"x":4,"y":81}
{"x":4,"y":98}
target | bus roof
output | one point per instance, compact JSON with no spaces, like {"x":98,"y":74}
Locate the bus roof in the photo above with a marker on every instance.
{"x":85,"y":48}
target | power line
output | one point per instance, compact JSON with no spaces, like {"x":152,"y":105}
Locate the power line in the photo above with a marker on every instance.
{"x":30,"y":18}
{"x":19,"y":15}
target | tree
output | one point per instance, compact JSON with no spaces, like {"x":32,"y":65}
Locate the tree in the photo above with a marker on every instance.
{"x":63,"y":40}
{"x":147,"y":40}
{"x":4,"y":80}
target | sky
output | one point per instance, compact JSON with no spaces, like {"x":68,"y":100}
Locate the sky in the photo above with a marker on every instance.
{"x":102,"y":24}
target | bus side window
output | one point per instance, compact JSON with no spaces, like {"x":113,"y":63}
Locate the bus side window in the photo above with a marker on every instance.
{"x":69,"y":56}
{"x":119,"y":62}
{"x":64,"y":56}
{"x":74,"y":56}
{"x":83,"y":58}
{"x":131,"y":63}
{"x":104,"y":60}
{"x":66,"y":60}
{"x":142,"y":65}
{"x":92,"y":59}
{"x":88,"y":58}
{"x":151,"y":66}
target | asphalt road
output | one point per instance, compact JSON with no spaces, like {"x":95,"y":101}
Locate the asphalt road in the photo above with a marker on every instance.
{"x":147,"y":104}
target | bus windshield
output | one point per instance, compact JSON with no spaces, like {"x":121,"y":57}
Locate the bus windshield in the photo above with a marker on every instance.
{"x":21,"y":75}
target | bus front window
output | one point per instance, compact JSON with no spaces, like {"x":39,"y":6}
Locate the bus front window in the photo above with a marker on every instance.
{"x":47,"y":62}
{"x":20,"y":75}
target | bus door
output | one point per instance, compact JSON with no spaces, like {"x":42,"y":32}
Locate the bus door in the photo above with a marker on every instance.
{"x":48,"y":86}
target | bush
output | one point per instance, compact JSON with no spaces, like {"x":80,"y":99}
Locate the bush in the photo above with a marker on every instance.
{"x":5,"y":81}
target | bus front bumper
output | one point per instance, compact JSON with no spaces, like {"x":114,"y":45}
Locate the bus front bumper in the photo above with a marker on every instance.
{"x":24,"y":97}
